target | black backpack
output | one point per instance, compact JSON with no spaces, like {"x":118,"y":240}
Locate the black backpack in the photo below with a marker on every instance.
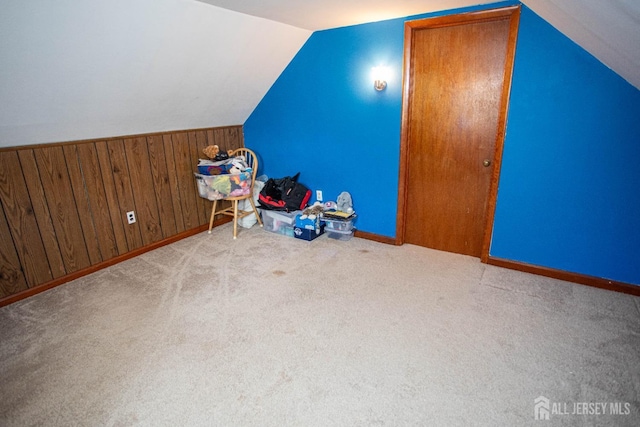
{"x":284,"y":194}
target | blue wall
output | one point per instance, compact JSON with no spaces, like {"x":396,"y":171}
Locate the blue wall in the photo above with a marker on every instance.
{"x":323,"y":117}
{"x":565,"y":199}
{"x":569,"y":192}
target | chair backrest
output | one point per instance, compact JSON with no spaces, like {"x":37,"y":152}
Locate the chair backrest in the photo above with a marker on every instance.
{"x":251,"y":159}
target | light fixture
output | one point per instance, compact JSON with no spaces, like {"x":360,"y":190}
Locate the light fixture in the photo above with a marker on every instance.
{"x":379,"y":75}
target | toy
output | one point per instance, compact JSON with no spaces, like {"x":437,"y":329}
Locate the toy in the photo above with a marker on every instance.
{"x":310,"y":217}
{"x":345,"y":204}
{"x":315,"y":210}
{"x":213,"y":152}
{"x":310,"y":220}
{"x":330,"y":206}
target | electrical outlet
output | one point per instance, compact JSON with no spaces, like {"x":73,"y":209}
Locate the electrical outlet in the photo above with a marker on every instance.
{"x":131,"y":217}
{"x":319,"y":195}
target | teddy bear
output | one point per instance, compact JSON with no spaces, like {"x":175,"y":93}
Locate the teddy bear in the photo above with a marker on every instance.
{"x":213,"y":152}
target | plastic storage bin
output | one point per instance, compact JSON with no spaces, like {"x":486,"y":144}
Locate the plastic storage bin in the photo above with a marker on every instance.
{"x":338,"y":224}
{"x":340,"y":235}
{"x":217,"y":187}
{"x":280,"y":222}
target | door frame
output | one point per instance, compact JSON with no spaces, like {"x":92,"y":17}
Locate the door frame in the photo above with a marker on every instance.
{"x":513,"y":14}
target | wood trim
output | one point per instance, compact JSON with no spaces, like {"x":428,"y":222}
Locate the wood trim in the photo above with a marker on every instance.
{"x":513,"y":12}
{"x":462,"y":18}
{"x":376,"y":237}
{"x":583,"y":279}
{"x":137,"y":135}
{"x":404,"y":135}
{"x":501,"y":133}
{"x":96,"y":267}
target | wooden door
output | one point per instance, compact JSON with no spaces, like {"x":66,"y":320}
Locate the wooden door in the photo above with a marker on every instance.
{"x":453,"y":108}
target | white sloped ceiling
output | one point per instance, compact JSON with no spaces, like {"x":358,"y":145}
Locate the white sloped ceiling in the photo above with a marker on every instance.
{"x":608,"y":29}
{"x":325,"y":14}
{"x":74,"y":69}
{"x":79,"y":69}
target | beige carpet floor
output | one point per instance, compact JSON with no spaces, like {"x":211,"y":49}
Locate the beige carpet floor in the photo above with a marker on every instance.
{"x":269,"y":330}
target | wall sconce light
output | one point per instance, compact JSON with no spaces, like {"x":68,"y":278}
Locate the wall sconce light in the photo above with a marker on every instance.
{"x":379,"y":75}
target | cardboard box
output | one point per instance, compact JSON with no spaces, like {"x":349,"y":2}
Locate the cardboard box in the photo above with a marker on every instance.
{"x":303,"y":221}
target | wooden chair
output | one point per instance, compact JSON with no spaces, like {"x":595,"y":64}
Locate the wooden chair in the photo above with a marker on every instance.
{"x":252,"y":162}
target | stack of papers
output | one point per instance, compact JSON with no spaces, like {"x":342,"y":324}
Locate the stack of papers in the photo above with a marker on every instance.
{"x":338,"y":214}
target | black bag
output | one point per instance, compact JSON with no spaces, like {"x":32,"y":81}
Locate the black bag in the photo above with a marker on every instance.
{"x":221,"y":156}
{"x":284,"y":194}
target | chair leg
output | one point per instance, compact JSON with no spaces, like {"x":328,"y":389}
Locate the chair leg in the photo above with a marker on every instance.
{"x":255,"y":211}
{"x":213,"y":214}
{"x":235,"y":219}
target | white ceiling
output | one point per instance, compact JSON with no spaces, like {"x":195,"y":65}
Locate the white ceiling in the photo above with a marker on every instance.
{"x":323,"y":14}
{"x":608,"y":29}
{"x":82,"y":69}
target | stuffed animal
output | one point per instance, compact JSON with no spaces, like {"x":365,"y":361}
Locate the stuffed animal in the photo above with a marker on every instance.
{"x":211,"y":151}
{"x":330,"y":206}
{"x":345,"y":204}
{"x":316,"y":209}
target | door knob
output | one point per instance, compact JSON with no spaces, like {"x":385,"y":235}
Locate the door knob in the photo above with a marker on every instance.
{"x":486,"y":163}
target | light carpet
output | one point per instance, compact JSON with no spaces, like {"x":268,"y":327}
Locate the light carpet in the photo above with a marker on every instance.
{"x":268,"y":330}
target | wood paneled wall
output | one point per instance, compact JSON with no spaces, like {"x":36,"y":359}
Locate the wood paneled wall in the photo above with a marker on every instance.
{"x":63,"y":206}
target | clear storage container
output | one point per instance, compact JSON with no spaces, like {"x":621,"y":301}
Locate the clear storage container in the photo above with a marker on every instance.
{"x":340,"y":235}
{"x":217,"y":187}
{"x":338,"y":224}
{"x":280,"y":222}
